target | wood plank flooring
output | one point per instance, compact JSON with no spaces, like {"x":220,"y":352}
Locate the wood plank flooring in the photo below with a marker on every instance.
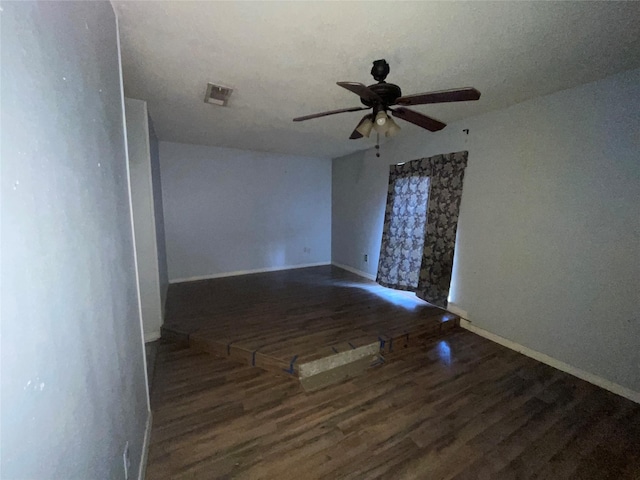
{"x":281,"y":320}
{"x":458,"y":407}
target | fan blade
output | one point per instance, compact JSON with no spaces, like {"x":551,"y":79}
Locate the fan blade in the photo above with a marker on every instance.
{"x":361,"y":90}
{"x":418,"y":119}
{"x":331,"y":112}
{"x":442,"y":96}
{"x":356,"y":134}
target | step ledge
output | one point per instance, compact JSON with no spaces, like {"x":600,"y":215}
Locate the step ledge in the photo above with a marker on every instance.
{"x":339,"y":359}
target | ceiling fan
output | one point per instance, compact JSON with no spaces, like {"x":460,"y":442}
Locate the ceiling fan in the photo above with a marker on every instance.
{"x":382,"y":96}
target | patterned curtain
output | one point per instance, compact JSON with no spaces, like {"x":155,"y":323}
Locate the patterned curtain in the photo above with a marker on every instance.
{"x":398,"y":267}
{"x":404,"y":221}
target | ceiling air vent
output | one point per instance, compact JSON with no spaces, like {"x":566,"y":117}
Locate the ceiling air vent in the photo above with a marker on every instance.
{"x":217,"y":94}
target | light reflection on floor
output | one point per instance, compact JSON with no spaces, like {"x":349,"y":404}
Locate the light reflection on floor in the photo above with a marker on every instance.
{"x":400,"y":298}
{"x":444,"y":352}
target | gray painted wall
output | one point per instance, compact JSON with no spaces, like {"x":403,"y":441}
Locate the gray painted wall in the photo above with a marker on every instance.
{"x":548,"y":244}
{"x":156,"y":180}
{"x":73,"y":376}
{"x":144,"y":219}
{"x":229,"y":210}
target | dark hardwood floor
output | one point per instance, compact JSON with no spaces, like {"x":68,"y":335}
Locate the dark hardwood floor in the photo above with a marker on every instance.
{"x":459,"y":407}
{"x":281,"y":320}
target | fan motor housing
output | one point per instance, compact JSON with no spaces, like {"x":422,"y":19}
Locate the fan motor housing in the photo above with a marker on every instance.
{"x":388,"y":92}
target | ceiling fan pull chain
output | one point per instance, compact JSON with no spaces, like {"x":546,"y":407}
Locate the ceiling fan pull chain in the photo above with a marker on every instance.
{"x":377,"y":144}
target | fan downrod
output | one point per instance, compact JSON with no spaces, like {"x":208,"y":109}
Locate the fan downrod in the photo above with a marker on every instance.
{"x":388,"y":92}
{"x":380,"y":70}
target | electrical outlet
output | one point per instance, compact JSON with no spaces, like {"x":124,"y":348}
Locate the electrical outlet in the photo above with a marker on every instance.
{"x":126,"y":460}
{"x":366,"y":258}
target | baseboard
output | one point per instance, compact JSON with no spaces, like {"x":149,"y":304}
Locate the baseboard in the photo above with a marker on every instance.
{"x":145,"y":448}
{"x":565,"y":367}
{"x":247,"y":272}
{"x":354,"y":270}
{"x":456,"y":310}
{"x":151,"y":336}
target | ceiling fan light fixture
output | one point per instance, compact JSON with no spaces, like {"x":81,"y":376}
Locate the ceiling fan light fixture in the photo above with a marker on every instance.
{"x":365,"y":127}
{"x":382,"y":122}
{"x":392,"y":129}
{"x":383,"y":97}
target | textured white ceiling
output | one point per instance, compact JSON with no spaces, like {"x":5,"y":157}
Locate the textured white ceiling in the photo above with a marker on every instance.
{"x":283,"y":60}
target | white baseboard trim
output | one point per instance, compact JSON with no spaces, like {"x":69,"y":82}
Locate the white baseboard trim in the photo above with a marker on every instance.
{"x":456,"y":310}
{"x":145,"y":448}
{"x":247,"y":272}
{"x":151,"y":336}
{"x":354,"y":270}
{"x":565,"y":367}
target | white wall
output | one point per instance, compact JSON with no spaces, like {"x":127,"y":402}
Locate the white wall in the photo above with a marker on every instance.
{"x":548,"y":243}
{"x":163,"y":274}
{"x":229,"y":210}
{"x":142,"y":205}
{"x":73,"y":374}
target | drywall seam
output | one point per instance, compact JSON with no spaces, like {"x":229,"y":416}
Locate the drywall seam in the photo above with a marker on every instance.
{"x":151,"y":336}
{"x":354,"y":270}
{"x":247,"y":272}
{"x":565,"y":367}
{"x":145,"y":447}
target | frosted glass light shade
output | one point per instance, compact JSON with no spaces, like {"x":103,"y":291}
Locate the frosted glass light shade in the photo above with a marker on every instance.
{"x":382,"y":122}
{"x":365,"y":127}
{"x":392,"y":128}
